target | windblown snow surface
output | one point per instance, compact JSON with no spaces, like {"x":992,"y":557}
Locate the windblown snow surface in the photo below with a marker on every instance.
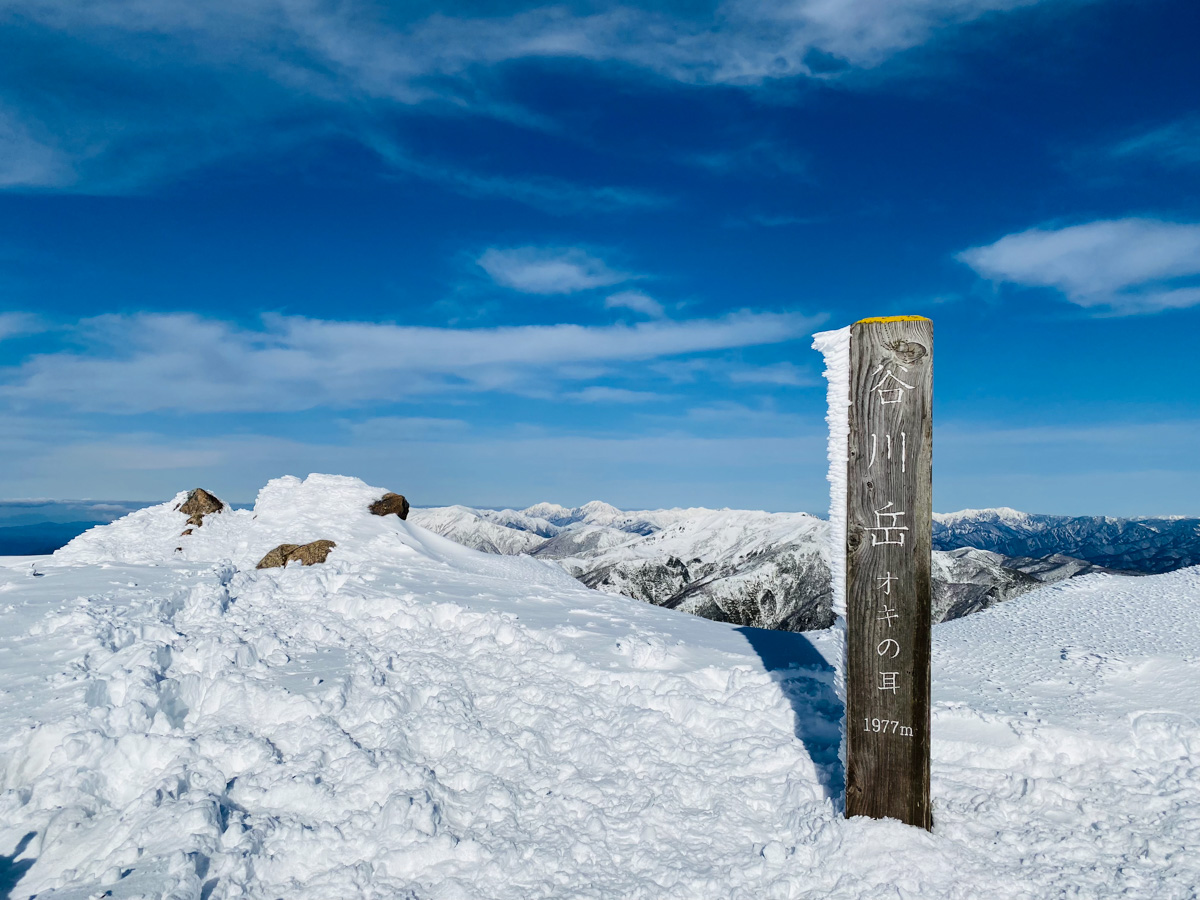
{"x":414,"y":719}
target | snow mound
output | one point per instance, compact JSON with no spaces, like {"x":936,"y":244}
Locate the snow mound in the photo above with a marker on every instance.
{"x":288,"y":510}
{"x":415,"y":719}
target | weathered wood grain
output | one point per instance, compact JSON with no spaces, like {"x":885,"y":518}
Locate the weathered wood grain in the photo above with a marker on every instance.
{"x":888,"y":543}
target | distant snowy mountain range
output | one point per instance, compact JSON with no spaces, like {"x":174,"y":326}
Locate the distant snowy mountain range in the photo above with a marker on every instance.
{"x":1145,"y":544}
{"x":749,"y":568}
{"x":769,"y":570}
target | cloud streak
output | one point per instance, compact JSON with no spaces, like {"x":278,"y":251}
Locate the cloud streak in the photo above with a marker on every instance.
{"x":548,"y":270}
{"x":552,"y":195}
{"x":143,"y":90}
{"x":637,"y":302}
{"x":1125,"y":266}
{"x":1176,"y":144}
{"x":14,"y":324}
{"x":784,"y":374}
{"x":182,"y":362}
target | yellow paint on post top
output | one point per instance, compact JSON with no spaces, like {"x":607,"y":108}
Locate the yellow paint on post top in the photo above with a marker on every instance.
{"x":874,"y":319}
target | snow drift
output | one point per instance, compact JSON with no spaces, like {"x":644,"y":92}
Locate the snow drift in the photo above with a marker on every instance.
{"x":416,"y":719}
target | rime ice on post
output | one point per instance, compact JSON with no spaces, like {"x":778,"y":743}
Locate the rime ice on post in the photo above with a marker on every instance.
{"x":888,"y":525}
{"x":835,"y":347}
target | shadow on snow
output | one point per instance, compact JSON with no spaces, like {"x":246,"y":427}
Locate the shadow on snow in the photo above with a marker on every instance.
{"x":806,"y":679}
{"x":12,"y":869}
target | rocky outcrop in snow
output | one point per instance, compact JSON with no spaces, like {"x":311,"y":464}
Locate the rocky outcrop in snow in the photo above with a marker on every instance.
{"x":199,"y":504}
{"x":305,"y":554}
{"x":390,"y":504}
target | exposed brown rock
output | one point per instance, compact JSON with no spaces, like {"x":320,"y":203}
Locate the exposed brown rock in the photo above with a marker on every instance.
{"x":305,"y":554}
{"x":316,"y":552}
{"x":199,"y":504}
{"x":185,"y":532}
{"x":277,"y":557}
{"x":391,"y":503}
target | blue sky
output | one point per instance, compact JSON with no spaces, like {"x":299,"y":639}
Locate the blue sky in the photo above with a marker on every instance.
{"x":493,"y":253}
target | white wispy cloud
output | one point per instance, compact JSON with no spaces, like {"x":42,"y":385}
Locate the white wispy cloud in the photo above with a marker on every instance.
{"x":1126,"y":266}
{"x":733,"y":42}
{"x":406,"y":428}
{"x":722,"y":371}
{"x":13,"y":324}
{"x":757,"y":157}
{"x":387,"y":52}
{"x":634,"y":471}
{"x":145,"y":362}
{"x":599,"y":393}
{"x":548,"y":270}
{"x":636,"y":301}
{"x":763,"y":418}
{"x":27,"y":161}
{"x":220,"y":76}
{"x":785,"y":373}
{"x":1174,"y":144}
{"x":549,"y":194}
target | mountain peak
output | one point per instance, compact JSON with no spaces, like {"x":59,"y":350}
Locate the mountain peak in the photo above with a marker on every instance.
{"x":997,"y":513}
{"x":541,"y":509}
{"x":595,"y":508}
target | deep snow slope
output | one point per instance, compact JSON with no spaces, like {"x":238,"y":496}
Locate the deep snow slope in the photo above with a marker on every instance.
{"x":415,"y":719}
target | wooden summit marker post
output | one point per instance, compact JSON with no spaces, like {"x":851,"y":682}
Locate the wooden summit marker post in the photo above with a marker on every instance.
{"x":888,"y":543}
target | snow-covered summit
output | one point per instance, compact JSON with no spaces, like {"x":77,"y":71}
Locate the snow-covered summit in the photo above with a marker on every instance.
{"x":415,"y":719}
{"x":288,"y":510}
{"x":595,"y":510}
{"x":994,"y":514}
{"x":551,"y":512}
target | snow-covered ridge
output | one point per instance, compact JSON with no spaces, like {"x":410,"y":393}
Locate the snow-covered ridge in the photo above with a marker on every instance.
{"x":1140,"y":544}
{"x":414,"y":719}
{"x":741,"y":566}
{"x":747,"y":567}
{"x":999,"y":513}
